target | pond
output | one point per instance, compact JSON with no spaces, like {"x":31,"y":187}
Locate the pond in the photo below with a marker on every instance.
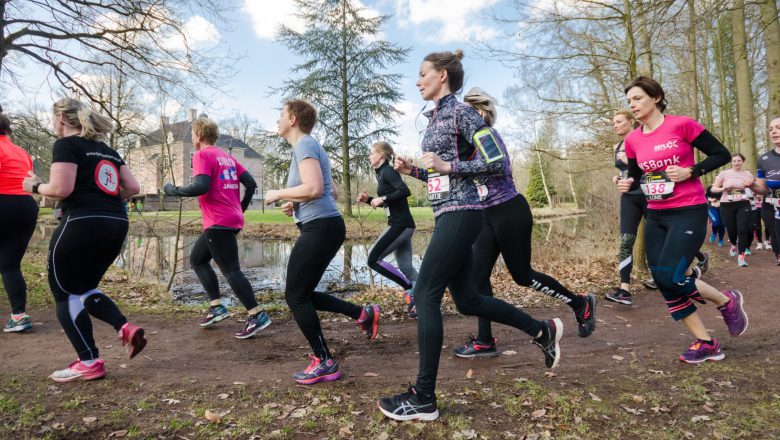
{"x":263,"y":261}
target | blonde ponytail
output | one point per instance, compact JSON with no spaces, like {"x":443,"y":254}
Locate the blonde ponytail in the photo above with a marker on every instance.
{"x":93,"y":125}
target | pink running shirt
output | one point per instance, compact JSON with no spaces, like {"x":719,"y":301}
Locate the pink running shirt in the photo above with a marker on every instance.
{"x":221,"y":205}
{"x":734,"y":180}
{"x":669,"y":144}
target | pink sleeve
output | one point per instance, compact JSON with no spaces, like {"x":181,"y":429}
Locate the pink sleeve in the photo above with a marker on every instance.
{"x":691,"y":129}
{"x":629,"y":148}
{"x":200,"y":164}
{"x":239,"y":168}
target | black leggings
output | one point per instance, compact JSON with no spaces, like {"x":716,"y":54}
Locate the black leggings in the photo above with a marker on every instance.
{"x":736,"y":217}
{"x":770,"y":225}
{"x":220,"y":244}
{"x":507,"y":231}
{"x":315,"y":248}
{"x":755,"y":226}
{"x":81,"y":250}
{"x":673,"y":238}
{"x":398,"y":240}
{"x":632,"y":208}
{"x":17,"y":224}
{"x":449,"y":263}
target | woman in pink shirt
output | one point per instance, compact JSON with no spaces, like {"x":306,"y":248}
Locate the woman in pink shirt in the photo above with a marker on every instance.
{"x":735,"y":205}
{"x":661,"y":161}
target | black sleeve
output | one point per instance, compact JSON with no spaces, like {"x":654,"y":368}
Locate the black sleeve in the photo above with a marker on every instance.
{"x":400,"y":190}
{"x":249,"y":189}
{"x":634,"y":172}
{"x":717,"y":153}
{"x":198,"y":187}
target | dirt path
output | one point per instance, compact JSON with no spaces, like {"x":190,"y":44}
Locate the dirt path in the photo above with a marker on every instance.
{"x":633,"y":348}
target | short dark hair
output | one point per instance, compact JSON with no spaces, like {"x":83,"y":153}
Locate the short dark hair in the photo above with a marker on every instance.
{"x":304,"y":113}
{"x":5,"y":125}
{"x":733,"y":155}
{"x":652,"y":88}
{"x":449,"y":61}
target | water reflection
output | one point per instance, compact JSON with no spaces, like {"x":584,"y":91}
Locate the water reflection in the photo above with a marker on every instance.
{"x":265,"y":261}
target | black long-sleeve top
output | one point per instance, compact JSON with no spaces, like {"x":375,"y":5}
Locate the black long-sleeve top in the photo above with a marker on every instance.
{"x":390,"y":185}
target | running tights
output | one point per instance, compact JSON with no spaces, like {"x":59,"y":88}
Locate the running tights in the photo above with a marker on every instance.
{"x":17,"y":224}
{"x":395,"y":239}
{"x":736,"y":217}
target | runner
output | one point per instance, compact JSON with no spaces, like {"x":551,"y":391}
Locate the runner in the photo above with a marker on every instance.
{"x":90,"y":180}
{"x":216,"y":175}
{"x":448,"y":261}
{"x":756,"y":227}
{"x":310,"y":201}
{"x":661,"y":158}
{"x":633,"y":206}
{"x":768,"y":179}
{"x":507,"y":232}
{"x":17,"y":224}
{"x":735,"y":205}
{"x":397,"y":238}
{"x":713,"y":210}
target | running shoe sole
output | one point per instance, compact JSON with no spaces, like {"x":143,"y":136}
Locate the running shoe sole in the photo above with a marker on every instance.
{"x":619,"y":301}
{"x":742,"y":307}
{"x":215,"y":320}
{"x":558,"y":336}
{"x":94,"y":376}
{"x":426,"y":417}
{"x":491,"y":354}
{"x":717,"y":357}
{"x":375,"y":323}
{"x":137,"y":342}
{"x":18,"y":328}
{"x":255,"y":331}
{"x":326,"y":378}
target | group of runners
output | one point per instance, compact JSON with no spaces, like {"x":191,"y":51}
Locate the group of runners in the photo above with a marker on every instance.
{"x":479,"y":215}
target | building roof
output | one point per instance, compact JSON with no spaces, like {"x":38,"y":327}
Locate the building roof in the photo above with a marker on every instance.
{"x":182,"y":132}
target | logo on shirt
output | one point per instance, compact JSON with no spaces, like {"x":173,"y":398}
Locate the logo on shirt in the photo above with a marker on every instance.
{"x":667,"y":146}
{"x":228,"y":174}
{"x":655,"y":164}
{"x":107,"y":177}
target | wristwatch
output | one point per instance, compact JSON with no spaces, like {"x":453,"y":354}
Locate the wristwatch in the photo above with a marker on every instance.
{"x":384,"y":198}
{"x":35,"y":187}
{"x":694,"y":171}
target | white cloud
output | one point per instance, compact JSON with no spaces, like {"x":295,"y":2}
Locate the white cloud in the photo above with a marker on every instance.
{"x":197,"y":33}
{"x":410,"y":125}
{"x":455,"y":20}
{"x":267,"y":16}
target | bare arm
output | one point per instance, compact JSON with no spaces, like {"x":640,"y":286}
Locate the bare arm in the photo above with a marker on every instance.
{"x":62,"y":179}
{"x":311,"y":186}
{"x":128,"y":184}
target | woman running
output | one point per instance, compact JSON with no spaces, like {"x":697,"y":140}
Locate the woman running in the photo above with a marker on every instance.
{"x":768,"y":179}
{"x":756,"y":226}
{"x":735,"y":205}
{"x":310,"y":201}
{"x":397,"y":238}
{"x":507,"y":232}
{"x":448,"y":262}
{"x":661,"y":161}
{"x":216,"y":175}
{"x":713,"y":210}
{"x":633,"y":206}
{"x":15,"y":229}
{"x":90,"y":180}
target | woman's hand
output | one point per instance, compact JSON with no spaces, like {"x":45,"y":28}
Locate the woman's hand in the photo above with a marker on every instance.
{"x":678,"y":174}
{"x":377,"y":202}
{"x":624,"y":185}
{"x":288,"y":208}
{"x":272,"y":196}
{"x":362,"y":197}
{"x":432,"y":161}
{"x":403,"y":165}
{"x":29,"y":181}
{"x":615,"y":179}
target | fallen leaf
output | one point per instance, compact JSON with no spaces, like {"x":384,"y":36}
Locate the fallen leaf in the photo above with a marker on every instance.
{"x":224,"y":396}
{"x":696,"y":419}
{"x":211,"y":416}
{"x":595,"y":397}
{"x":617,"y":358}
{"x":120,"y":433}
{"x":369,"y":374}
{"x":466,"y":434}
{"x":58,"y":426}
{"x":469,"y":374}
{"x":171,"y":401}
{"x":509,"y":352}
{"x":550,"y":374}
{"x":89,"y":420}
{"x":298,"y":413}
{"x":345,"y":431}
{"x":656,"y":371}
{"x":633,"y":411}
{"x":638,"y":399}
{"x":708,"y":409}
{"x":539,"y":413}
{"x":239,"y":383}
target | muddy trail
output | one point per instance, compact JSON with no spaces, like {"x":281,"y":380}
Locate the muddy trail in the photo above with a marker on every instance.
{"x":622,"y":382}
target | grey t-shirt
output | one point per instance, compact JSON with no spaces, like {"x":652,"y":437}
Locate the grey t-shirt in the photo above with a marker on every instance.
{"x":325,"y":205}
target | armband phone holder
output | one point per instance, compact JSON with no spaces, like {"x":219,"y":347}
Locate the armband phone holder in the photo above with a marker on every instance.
{"x":488,"y":144}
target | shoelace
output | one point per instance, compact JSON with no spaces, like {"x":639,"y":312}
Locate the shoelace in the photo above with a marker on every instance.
{"x":315,"y":362}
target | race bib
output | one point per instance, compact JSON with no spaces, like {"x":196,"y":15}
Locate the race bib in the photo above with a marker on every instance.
{"x":438,"y":187}
{"x":656,"y":186}
{"x":736,"y":195}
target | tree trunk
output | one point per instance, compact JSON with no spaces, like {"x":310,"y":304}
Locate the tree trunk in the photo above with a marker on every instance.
{"x":646,"y":54}
{"x":571,"y":182}
{"x":724,"y":103}
{"x":631,"y":49}
{"x":345,"y":176}
{"x":745,"y":117}
{"x":544,"y":180}
{"x":3,"y":50}
{"x":693,"y":78}
{"x":771,"y":26}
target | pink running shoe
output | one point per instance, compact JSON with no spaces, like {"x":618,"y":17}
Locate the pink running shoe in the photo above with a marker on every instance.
{"x":78,"y":370}
{"x":132,"y":337}
{"x":701,"y":351}
{"x":734,"y":313}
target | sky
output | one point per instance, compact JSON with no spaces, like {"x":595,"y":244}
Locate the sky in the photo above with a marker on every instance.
{"x":424,"y":26}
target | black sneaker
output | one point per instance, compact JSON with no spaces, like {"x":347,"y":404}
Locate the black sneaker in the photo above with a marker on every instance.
{"x":549,"y":342}
{"x":586,"y":316}
{"x":216,"y":314}
{"x":619,"y":296}
{"x":254,"y":324}
{"x":409,"y":405}
{"x":650,"y":284}
{"x":476,"y":349}
{"x":704,"y":263}
{"x":368,"y":321}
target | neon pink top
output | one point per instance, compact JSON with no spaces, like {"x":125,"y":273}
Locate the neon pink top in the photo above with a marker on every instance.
{"x":669,"y":144}
{"x":221,"y":205}
{"x":15,"y":163}
{"x":734,"y":181}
